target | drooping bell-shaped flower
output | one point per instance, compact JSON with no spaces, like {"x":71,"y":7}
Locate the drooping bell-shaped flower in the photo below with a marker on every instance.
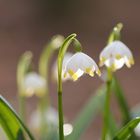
{"x":34,"y":83}
{"x":115,"y":55}
{"x":51,"y":118}
{"x":79,"y":64}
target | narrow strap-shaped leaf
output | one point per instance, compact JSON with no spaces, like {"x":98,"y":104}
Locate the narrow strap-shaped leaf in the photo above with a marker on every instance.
{"x":113,"y":128}
{"x":87,"y":114}
{"x":127,"y":130}
{"x":121,"y":100}
{"x":11,"y":123}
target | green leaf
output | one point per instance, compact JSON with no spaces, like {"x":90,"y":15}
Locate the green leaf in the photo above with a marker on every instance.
{"x":113,"y":128}
{"x":127,"y":130}
{"x":87,"y":114}
{"x":94,"y":105}
{"x":121,"y":100}
{"x":11,"y":123}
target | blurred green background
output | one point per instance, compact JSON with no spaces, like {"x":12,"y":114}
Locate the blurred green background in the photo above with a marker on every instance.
{"x":29,"y":24}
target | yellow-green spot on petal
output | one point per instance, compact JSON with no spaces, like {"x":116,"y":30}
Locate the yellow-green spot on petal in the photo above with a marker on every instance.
{"x":113,"y":67}
{"x":118,"y":56}
{"x":131,"y":61}
{"x":65,"y":75}
{"x":102,"y":60}
{"x":89,"y":71}
{"x":128,"y":64}
{"x":73,"y":75}
{"x":98,"y":72}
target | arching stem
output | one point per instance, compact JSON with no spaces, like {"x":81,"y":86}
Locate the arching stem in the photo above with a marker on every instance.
{"x":61,"y":54}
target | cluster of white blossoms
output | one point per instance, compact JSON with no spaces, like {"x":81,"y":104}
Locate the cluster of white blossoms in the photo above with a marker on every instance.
{"x":115,"y":55}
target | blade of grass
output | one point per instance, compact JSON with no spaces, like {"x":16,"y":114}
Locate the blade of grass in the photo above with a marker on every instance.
{"x":126,"y":132}
{"x":88,"y":113}
{"x":11,"y":123}
{"x":121,"y":100}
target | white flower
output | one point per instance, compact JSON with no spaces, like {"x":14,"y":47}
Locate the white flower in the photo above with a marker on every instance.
{"x":137,"y":130}
{"x":51,"y":118}
{"x":34,"y":83}
{"x":55,"y":71}
{"x":79,"y":64}
{"x":115,"y":55}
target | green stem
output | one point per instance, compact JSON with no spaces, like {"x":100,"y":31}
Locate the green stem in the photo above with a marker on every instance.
{"x":61,"y":54}
{"x":115,"y":35}
{"x":43,"y":67}
{"x":107,"y":106}
{"x":44,"y":102}
{"x":43,"y":124}
{"x":60,"y":108}
{"x":22,"y":68}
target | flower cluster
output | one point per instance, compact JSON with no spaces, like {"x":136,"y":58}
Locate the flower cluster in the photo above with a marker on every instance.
{"x":113,"y":56}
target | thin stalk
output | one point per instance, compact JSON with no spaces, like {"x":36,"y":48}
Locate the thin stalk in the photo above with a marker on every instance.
{"x":42,"y":106}
{"x":107,"y":106}
{"x":43,"y":68}
{"x":61,"y":54}
{"x":60,"y":107}
{"x":44,"y":61}
{"x":115,"y":35}
{"x":22,"y":68}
